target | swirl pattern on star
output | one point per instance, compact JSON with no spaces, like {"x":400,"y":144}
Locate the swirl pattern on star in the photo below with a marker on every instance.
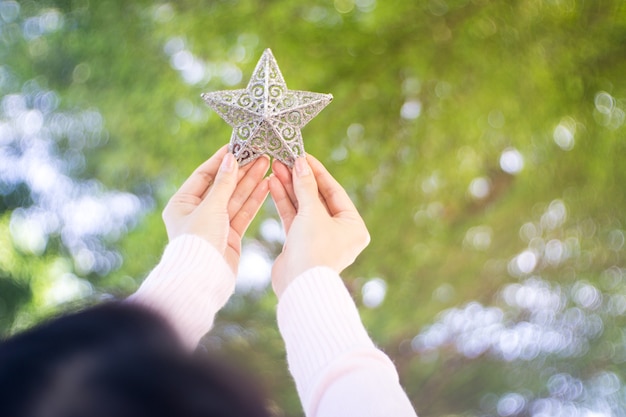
{"x":266,"y":116}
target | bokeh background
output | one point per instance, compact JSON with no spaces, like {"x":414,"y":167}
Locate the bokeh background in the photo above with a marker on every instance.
{"x":483,"y":142}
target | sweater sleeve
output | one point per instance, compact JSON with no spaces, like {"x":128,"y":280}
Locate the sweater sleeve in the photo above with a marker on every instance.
{"x":188,"y":287}
{"x":337,"y":369}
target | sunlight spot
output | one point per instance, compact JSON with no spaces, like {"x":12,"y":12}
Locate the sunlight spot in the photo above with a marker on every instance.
{"x":9,"y":10}
{"x":607,"y":112}
{"x":444,"y":293}
{"x":432,"y":183}
{"x":411,"y":86}
{"x":192,"y":69}
{"x":31,"y":28}
{"x":478,"y":238}
{"x":65,"y":288}
{"x":411,"y":109}
{"x":373,"y":292}
{"x":605,"y":103}
{"x":435,"y":210}
{"x":554,"y":251}
{"x":184,"y":108}
{"x":525,"y":262}
{"x":554,"y":216}
{"x":84,"y":261}
{"x":431,"y":338}
{"x":366,"y":6}
{"x":237,"y":53}
{"x":591,"y":413}
{"x":182,"y":60}
{"x":480,"y":187}
{"x":7,"y":134}
{"x":316,"y":14}
{"x":43,"y":177}
{"x":511,"y":161}
{"x":616,"y":239}
{"x":88,"y":215}
{"x":606,"y":383}
{"x":27,"y":233}
{"x":272,"y":231}
{"x":438,"y":7}
{"x":30,"y":122}
{"x":51,"y":20}
{"x":565,"y":386}
{"x":13,"y":105}
{"x":564,"y":134}
{"x":612,"y":277}
{"x":355,"y":132}
{"x":344,"y":6}
{"x":163,"y":13}
{"x":255,"y":268}
{"x":174,"y":45}
{"x":231,"y":75}
{"x":586,"y":295}
{"x":339,"y":153}
{"x":528,"y":231}
{"x":81,"y":73}
{"x":511,"y":404}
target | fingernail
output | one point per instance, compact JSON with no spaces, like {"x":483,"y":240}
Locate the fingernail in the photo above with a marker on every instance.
{"x":228,"y":162}
{"x":302,"y":167}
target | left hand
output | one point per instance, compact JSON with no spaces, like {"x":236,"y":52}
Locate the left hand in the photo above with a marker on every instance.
{"x":322,"y":225}
{"x":218,"y":202}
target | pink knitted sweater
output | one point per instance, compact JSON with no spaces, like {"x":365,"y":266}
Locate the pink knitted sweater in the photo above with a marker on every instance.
{"x":337,"y":369}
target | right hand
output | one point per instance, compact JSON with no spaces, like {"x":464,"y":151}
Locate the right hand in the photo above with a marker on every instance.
{"x":218,"y":202}
{"x":322,"y":225}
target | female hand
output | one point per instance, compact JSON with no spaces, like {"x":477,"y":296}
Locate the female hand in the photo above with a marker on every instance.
{"x":322,"y":225}
{"x":218,"y":202}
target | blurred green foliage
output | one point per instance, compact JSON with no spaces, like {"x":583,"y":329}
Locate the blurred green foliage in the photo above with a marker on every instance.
{"x":483,"y":142}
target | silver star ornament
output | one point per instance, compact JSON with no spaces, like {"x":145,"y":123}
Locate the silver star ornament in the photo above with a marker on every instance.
{"x":266,"y":116}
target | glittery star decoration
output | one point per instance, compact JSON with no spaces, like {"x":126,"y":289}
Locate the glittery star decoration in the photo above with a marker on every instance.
{"x":266,"y":116}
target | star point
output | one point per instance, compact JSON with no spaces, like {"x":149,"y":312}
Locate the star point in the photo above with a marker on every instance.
{"x":266,"y":116}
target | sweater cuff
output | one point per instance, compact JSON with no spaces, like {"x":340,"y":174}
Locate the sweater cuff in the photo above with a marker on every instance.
{"x":321,"y":328}
{"x":191,"y":283}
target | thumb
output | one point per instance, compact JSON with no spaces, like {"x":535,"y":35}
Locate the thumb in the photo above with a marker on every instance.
{"x":304,"y":184}
{"x":225,"y":183}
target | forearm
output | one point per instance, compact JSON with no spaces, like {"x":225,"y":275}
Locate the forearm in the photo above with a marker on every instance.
{"x":337,"y":368}
{"x":188,"y":287}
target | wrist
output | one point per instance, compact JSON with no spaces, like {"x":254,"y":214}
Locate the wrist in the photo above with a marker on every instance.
{"x":283,"y":278}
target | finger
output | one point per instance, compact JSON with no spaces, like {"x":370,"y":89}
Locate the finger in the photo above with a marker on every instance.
{"x":224,"y":185}
{"x":335,"y":196}
{"x":202,"y":178}
{"x":242,"y":172}
{"x":284,"y":205}
{"x":305,"y":186}
{"x":248,"y":184}
{"x":244,"y":216}
{"x":284,"y":175}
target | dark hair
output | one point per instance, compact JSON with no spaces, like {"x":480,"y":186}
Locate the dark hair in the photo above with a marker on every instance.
{"x":116,"y":360}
